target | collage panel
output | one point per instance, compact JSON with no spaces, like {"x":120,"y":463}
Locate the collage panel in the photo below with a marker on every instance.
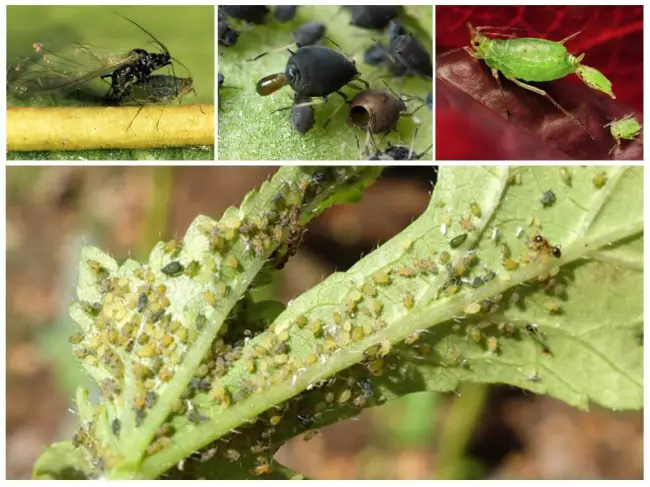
{"x":110,"y":82}
{"x":543,"y":82}
{"x":324,"y":322}
{"x":318,"y":82}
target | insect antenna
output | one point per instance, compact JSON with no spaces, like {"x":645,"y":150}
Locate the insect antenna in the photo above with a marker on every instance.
{"x":274,"y":50}
{"x":163,"y":47}
{"x":489,"y":28}
{"x":189,"y":77}
{"x":447,"y":53}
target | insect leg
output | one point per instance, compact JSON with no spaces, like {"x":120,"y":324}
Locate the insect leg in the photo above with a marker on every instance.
{"x":136,"y":116}
{"x":557,"y":105}
{"x":415,"y":134}
{"x":340,"y":93}
{"x":159,"y":117}
{"x":365,"y":83}
{"x":311,"y":103}
{"x":413,"y":112}
{"x":495,"y":73}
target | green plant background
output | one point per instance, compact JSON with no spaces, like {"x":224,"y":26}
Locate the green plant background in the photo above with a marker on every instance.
{"x":248,"y":130}
{"x":187,"y":31}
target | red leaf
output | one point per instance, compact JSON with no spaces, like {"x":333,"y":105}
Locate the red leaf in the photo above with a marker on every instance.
{"x":471,"y":119}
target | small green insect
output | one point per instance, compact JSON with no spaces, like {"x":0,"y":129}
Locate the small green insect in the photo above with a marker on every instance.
{"x":458,"y":240}
{"x":627,"y":128}
{"x":534,"y":59}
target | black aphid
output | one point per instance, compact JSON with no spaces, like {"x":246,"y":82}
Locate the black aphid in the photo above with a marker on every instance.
{"x":372,"y":16}
{"x":309,"y":34}
{"x":312,"y":71}
{"x":285,"y":13}
{"x":255,"y":14}
{"x":173,"y":269}
{"x":227,"y":35}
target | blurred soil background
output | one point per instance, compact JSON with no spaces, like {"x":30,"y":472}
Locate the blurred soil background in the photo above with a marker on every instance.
{"x":480,"y":432}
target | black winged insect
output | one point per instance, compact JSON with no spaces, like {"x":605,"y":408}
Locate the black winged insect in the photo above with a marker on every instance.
{"x":52,"y":70}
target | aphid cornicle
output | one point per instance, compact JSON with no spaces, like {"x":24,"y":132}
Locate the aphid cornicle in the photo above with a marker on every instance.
{"x":312,"y":71}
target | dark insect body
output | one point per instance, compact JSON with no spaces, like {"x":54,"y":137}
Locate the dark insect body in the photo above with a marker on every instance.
{"x":227,"y":35}
{"x":254,"y":14}
{"x":302,"y":115}
{"x":309,"y":34}
{"x":312,"y":71}
{"x":405,"y":54}
{"x":429,"y":101}
{"x":285,"y":13}
{"x":399,"y":153}
{"x":410,"y":52}
{"x":49,"y":71}
{"x":395,"y":28}
{"x":372,"y":16}
{"x":375,"y":55}
{"x":155,"y":89}
{"x":540,"y":243}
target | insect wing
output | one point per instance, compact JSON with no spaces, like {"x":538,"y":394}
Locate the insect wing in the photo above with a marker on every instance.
{"x":50,"y":70}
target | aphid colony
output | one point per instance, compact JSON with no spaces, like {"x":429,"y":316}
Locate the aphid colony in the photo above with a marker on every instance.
{"x":531,"y":59}
{"x":132,"y":311}
{"x":130,"y":74}
{"x":316,"y":71}
{"x":247,"y":356}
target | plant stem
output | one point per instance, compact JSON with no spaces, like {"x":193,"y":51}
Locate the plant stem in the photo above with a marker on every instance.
{"x":109,"y":127}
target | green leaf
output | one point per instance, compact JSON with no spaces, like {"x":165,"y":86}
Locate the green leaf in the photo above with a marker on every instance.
{"x":61,"y":461}
{"x":190,"y":41}
{"x":560,"y":315}
{"x":148,"y":330}
{"x":248,"y":130}
{"x":588,"y":350}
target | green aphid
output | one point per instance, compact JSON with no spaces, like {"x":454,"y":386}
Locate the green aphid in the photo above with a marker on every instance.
{"x":458,"y":240}
{"x":536,"y":60}
{"x":627,"y":128}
